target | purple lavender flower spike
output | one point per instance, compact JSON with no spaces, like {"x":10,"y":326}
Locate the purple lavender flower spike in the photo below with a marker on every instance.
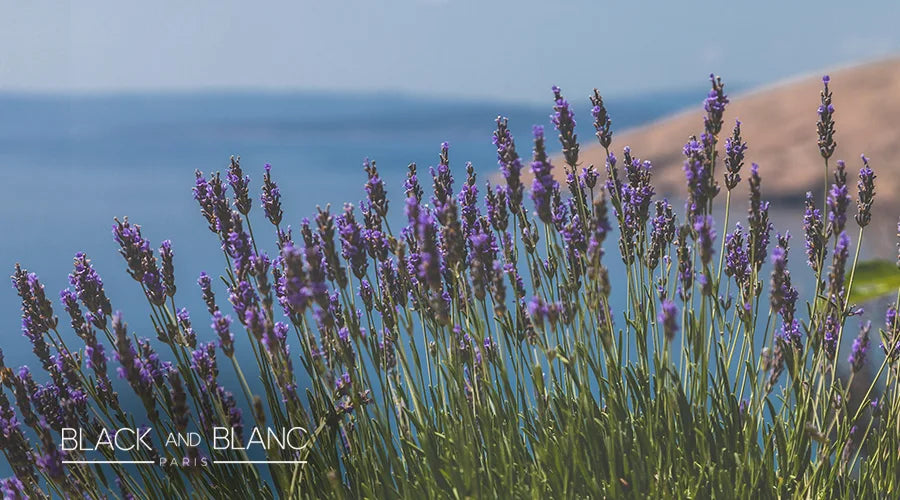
{"x":668,"y":317}
{"x":428,"y":271}
{"x":353,"y":247}
{"x":184,"y":321}
{"x":133,"y":247}
{"x":238,"y":246}
{"x":240,"y":184}
{"x":13,"y":489}
{"x":734,"y":157}
{"x":830,"y":335}
{"x":866,"y":188}
{"x":544,"y":185}
{"x":825,"y":124}
{"x":838,"y":201}
{"x":468,"y":201}
{"x":685,"y":264}
{"x":510,"y":164}
{"x":814,"y":229}
{"x":564,"y":120}
{"x":132,"y":367}
{"x":714,"y":105}
{"x":838,"y":269}
{"x":242,"y":297}
{"x":758,"y":220}
{"x":37,"y":313}
{"x":375,"y":189}
{"x":271,"y":198}
{"x":602,"y":122}
{"x":443,"y":183}
{"x":203,"y":360}
{"x":700,"y":183}
{"x":167,"y":267}
{"x":703,"y":227}
{"x":857,"y":357}
{"x":89,"y":288}
{"x":221,"y":324}
{"x":411,"y":185}
{"x":209,"y":297}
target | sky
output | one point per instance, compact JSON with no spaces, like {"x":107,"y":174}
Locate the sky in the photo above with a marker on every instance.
{"x":510,"y":50}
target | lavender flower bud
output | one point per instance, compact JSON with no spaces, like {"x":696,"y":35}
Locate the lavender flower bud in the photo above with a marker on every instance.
{"x":325,"y":224}
{"x":734,"y":157}
{"x":866,"y":187}
{"x":132,"y":367}
{"x":668,"y":316}
{"x":443,"y":183}
{"x":602,"y":121}
{"x":703,"y":227}
{"x":411,"y":185}
{"x":715,"y":106}
{"x":510,"y":165}
{"x":271,"y":198}
{"x":134,"y":248}
{"x":37,"y":313}
{"x":838,"y":201}
{"x":352,"y":245}
{"x":240,"y":184}
{"x":497,"y":214}
{"x":564,"y":120}
{"x":222,"y":326}
{"x":838,"y":268}
{"x":814,"y":228}
{"x":685,"y":264}
{"x":758,"y":219}
{"x":857,"y":357}
{"x":544,"y":185}
{"x":209,"y":297}
{"x":203,"y":361}
{"x":89,"y":288}
{"x":167,"y":267}
{"x":13,"y":489}
{"x":698,"y":174}
{"x":825,"y":124}
{"x":375,"y":190}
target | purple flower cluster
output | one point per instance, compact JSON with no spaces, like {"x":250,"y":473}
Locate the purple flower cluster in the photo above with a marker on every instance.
{"x":140,"y":259}
{"x":271,"y":198}
{"x":602,"y":122}
{"x":838,"y":201}
{"x":564,"y":120}
{"x":857,"y":357}
{"x":814,"y":228}
{"x":668,"y":317}
{"x":37,"y":313}
{"x":734,"y":157}
{"x":510,"y":165}
{"x":825,"y":124}
{"x":714,"y":105}
{"x":544,"y":187}
{"x":701,"y":185}
{"x":866,"y":188}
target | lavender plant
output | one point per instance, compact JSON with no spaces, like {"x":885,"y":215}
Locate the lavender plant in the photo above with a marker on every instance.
{"x":474,"y":351}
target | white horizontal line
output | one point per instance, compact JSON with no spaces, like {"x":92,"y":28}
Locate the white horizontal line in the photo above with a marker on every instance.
{"x":108,"y":462}
{"x":259,"y":461}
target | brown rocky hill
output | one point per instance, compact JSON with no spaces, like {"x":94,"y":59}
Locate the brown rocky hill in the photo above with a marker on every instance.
{"x":779,"y":125}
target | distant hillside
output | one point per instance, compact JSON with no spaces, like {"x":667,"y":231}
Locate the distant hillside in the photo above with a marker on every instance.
{"x":779,"y":125}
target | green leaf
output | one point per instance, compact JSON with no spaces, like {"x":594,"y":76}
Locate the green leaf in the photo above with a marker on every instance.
{"x":874,"y":278}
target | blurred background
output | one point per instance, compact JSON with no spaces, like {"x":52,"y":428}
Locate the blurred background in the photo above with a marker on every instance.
{"x":107,"y":108}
